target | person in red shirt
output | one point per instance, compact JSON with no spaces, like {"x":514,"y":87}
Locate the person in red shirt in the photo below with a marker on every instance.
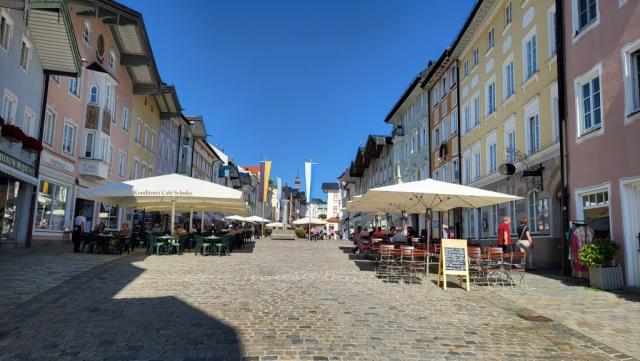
{"x":504,"y":235}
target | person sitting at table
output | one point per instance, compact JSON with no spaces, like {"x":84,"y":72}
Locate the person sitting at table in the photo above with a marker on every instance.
{"x":398,"y":237}
{"x":194,"y":228}
{"x":378,"y":233}
{"x":100,"y":228}
{"x":156,"y":229}
{"x":125,"y":231}
{"x":122,"y":237}
{"x":179,"y":230}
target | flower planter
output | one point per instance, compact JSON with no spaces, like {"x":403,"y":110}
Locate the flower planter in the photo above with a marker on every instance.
{"x":32,"y":145}
{"x":606,"y":278}
{"x":13,"y":133}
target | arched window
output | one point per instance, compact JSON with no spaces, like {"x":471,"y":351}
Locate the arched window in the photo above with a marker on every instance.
{"x":87,"y":34}
{"x":93,"y":95}
{"x":112,"y":59}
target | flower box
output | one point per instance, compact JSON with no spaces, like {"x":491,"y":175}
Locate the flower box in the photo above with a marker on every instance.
{"x":606,"y":278}
{"x":32,"y":144}
{"x":12,"y":132}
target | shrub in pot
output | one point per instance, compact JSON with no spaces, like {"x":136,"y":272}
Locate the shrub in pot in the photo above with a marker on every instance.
{"x":267,"y":231}
{"x":599,"y":257}
{"x":32,"y":144}
{"x":15,"y":134}
{"x":300,"y":232}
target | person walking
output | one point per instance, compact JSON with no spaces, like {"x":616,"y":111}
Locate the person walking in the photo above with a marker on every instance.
{"x":78,"y":231}
{"x":504,"y":235}
{"x":525,"y":242}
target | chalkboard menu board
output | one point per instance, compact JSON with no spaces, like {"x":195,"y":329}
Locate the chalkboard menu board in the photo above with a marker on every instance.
{"x":454,"y":260}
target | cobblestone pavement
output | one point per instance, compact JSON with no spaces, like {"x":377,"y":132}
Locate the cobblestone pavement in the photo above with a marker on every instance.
{"x":25,"y":272}
{"x":280,"y":300}
{"x":610,"y":317}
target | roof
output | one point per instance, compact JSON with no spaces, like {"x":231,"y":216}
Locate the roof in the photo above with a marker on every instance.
{"x":197,"y":125}
{"x":130,"y":35}
{"x":406,"y":93}
{"x":52,"y":31}
{"x":253,"y":169}
{"x":330,"y":186}
{"x":221,"y":155}
{"x":333,"y":220}
{"x":168,"y":102}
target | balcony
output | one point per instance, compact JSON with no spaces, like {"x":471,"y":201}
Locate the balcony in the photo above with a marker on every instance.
{"x":397,"y":131}
{"x":93,"y":168}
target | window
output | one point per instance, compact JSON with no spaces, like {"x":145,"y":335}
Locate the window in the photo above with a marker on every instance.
{"x":125,"y":118}
{"x":93,"y":95}
{"x":465,"y":67}
{"x":87,"y":34}
{"x":467,"y":170}
{"x":466,"y":117}
{"x":134,"y":170}
{"x":532,"y":204}
{"x":143,"y":170}
{"x":455,"y":171}
{"x":445,"y":173}
{"x":475,"y":56}
{"x":74,"y":86}
{"x":52,"y":206}
{"x":104,"y":148}
{"x":89,"y":145}
{"x":453,"y":74}
{"x":510,"y":145}
{"x":631,"y":56}
{"x":454,"y":121}
{"x":25,"y":55}
{"x":29,"y":125}
{"x":476,"y":166}
{"x":145,"y":136}
{"x":508,"y":78}
{"x":56,"y":78}
{"x":109,"y":99}
{"x":436,"y":138}
{"x":551,"y":31}
{"x":493,"y":158}
{"x":110,"y":156}
{"x":423,"y":100}
{"x":533,"y":125}
{"x":491,"y":98}
{"x":513,"y":214}
{"x":109,"y":216}
{"x":5,"y":32}
{"x":112,"y":60}
{"x":9,"y":107}
{"x":476,"y":111}
{"x":507,"y":15}
{"x":586,"y":14}
{"x":589,"y":104}
{"x":49,"y":127}
{"x":445,"y":129}
{"x":555,"y":113}
{"x":491,"y":38}
{"x":68,"y":138}
{"x":530,"y":57}
{"x":493,"y":220}
{"x":122,"y":164}
{"x":138,"y":130}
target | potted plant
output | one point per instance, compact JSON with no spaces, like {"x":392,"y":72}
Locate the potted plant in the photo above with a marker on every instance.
{"x":31,"y":144}
{"x":599,"y":257}
{"x":267,"y":232}
{"x":300,"y":232}
{"x":12,"y":132}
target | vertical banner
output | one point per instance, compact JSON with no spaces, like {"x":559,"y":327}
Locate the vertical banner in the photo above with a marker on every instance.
{"x":307,"y":178}
{"x":279,"y":185}
{"x":260,"y":192}
{"x":265,"y":180}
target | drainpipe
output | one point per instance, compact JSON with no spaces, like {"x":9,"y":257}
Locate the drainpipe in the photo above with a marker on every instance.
{"x":34,"y":194}
{"x":562,"y":110}
{"x":458,"y":211}
{"x":179,"y":148}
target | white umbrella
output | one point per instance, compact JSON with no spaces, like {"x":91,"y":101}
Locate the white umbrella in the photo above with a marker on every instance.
{"x":169,"y":191}
{"x":257,"y":219}
{"x":308,"y":221}
{"x":275,"y":225}
{"x":236,"y":218}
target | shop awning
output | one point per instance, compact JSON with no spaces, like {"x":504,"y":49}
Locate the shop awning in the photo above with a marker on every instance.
{"x":17,"y":174}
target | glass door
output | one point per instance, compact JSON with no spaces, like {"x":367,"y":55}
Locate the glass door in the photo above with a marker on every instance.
{"x":9,"y":198}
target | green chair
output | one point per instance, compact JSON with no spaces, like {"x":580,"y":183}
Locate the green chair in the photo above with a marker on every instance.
{"x":174,"y":244}
{"x":155,"y":245}
{"x":201,"y":245}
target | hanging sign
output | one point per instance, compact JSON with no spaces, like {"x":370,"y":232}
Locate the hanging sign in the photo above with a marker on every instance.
{"x":454,"y":260}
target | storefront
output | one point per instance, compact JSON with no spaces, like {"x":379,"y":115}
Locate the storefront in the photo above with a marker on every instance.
{"x":17,"y":183}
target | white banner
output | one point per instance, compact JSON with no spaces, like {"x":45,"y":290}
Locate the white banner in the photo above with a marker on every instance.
{"x":307,"y":177}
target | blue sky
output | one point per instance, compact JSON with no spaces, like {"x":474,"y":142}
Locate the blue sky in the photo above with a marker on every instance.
{"x":294,"y":80}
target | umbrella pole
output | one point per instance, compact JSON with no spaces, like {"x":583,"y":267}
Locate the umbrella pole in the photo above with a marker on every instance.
{"x":428,"y":217}
{"x":190,"y":220}
{"x":173,"y":215}
{"x":201,"y":221}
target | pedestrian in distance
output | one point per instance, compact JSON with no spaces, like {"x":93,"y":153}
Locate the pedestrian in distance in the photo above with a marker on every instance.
{"x":78,"y":231}
{"x":504,"y":235}
{"x":525,"y":242}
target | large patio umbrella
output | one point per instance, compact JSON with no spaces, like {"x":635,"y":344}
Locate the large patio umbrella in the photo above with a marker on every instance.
{"x":237,"y":218}
{"x":309,"y":221}
{"x":257,"y":219}
{"x":275,"y":225}
{"x":169,"y":192}
{"x":426,"y":196}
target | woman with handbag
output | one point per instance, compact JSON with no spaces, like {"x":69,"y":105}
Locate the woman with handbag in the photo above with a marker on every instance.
{"x":525,"y":242}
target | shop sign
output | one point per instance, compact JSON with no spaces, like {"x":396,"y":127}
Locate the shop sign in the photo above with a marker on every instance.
{"x":163,"y":192}
{"x":14,"y":163}
{"x":454,"y":260}
{"x":58,"y":163}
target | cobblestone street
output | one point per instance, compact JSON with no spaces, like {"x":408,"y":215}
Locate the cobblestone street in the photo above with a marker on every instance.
{"x":294,"y":300}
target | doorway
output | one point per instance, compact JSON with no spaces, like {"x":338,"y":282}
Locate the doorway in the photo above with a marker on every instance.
{"x":630,"y":196}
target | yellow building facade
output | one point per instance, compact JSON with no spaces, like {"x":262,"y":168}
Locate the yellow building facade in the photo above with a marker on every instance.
{"x":143,"y":137}
{"x":509,"y":119}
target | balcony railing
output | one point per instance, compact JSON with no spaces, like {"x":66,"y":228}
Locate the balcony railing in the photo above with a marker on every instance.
{"x":397,"y":131}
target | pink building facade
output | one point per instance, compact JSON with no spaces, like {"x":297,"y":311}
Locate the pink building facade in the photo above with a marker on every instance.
{"x":88,"y":119}
{"x":602,"y":93}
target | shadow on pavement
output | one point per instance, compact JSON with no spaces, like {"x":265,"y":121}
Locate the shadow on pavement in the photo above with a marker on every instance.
{"x":246,"y":248}
{"x":83,"y":319}
{"x":347,"y":249}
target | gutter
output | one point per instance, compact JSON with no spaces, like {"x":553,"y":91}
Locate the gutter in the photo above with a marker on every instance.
{"x":34,"y":196}
{"x":562,"y":110}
